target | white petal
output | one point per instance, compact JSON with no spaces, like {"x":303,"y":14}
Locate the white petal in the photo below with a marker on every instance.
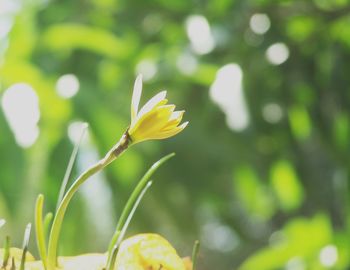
{"x":151,"y":103}
{"x":183,"y":125}
{"x":176,"y":115}
{"x":136,"y":96}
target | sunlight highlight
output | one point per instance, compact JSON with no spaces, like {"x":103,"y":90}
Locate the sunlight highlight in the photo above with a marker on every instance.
{"x":277,"y":53}
{"x":187,"y":64}
{"x":67,"y":86}
{"x":200,"y":35}
{"x":329,"y":255}
{"x":148,"y":68}
{"x":6,"y":23}
{"x":272,"y":113}
{"x":227,"y":92}
{"x":219,"y":237}
{"x":295,"y":263}
{"x":9,"y":6}
{"x":260,"y":23}
{"x":21,"y":107}
{"x":74,"y":132}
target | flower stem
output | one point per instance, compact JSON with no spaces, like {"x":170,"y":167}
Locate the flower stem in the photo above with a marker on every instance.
{"x":118,"y":149}
{"x":25,"y":246}
{"x":195,"y":254}
{"x":112,"y":257}
{"x":6,"y":252}
{"x":131,"y":202}
{"x":70,"y":165}
{"x":47,"y":222}
{"x":39,"y":228}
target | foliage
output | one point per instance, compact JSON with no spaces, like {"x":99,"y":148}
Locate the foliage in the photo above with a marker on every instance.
{"x":271,"y":193}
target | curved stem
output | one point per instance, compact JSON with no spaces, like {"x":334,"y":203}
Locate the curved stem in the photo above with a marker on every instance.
{"x":39,"y":229}
{"x":112,"y":257}
{"x":70,"y":165}
{"x":131,"y":202}
{"x":57,"y":222}
{"x":6,"y":254}
{"x":195,"y":254}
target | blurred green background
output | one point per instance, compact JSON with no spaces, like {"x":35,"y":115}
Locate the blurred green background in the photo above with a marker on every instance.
{"x":261,"y":173}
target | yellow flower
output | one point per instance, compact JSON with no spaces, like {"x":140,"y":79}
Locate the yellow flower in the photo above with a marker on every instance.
{"x":139,"y":252}
{"x":156,"y":119}
{"x":148,"y":251}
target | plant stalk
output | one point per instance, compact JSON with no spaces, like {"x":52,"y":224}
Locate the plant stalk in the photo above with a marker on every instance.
{"x":117,"y":150}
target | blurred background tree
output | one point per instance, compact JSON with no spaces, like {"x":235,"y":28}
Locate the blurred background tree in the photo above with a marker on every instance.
{"x":261,"y":173}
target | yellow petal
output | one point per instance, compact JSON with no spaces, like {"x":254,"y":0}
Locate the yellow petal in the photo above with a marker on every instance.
{"x":139,"y":116}
{"x":92,"y":261}
{"x":169,"y":133}
{"x":16,"y":253}
{"x":174,"y":120}
{"x":188,"y":263}
{"x":136,"y":96}
{"x":151,"y":123}
{"x":148,"y":251}
{"x":153,"y":102}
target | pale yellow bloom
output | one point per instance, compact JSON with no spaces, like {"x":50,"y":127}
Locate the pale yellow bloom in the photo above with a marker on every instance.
{"x":139,"y":252}
{"x":156,"y":119}
{"x":148,"y":251}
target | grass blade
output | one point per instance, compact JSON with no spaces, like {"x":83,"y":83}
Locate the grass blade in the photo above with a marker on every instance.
{"x":70,"y":165}
{"x":25,"y":245}
{"x":126,"y":225}
{"x":195,"y":254}
{"x":39,"y":229}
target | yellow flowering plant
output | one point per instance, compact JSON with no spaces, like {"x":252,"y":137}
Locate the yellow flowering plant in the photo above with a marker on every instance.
{"x":155,"y":120}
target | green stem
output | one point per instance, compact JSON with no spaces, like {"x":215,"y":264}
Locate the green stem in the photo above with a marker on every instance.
{"x":47,"y":222}
{"x":195,"y":254}
{"x":111,"y":262}
{"x":25,"y":246}
{"x":57,"y":222}
{"x":131,"y":201}
{"x":13,"y":264}
{"x":112,"y":257}
{"x":70,"y":165}
{"x":6,"y":251}
{"x":39,"y":228}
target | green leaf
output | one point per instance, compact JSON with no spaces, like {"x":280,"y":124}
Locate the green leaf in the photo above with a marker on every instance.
{"x":286,"y":185}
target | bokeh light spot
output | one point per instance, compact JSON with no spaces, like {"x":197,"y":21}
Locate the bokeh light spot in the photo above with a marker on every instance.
{"x":187,"y":63}
{"x":295,"y":264}
{"x":227,"y":92}
{"x":259,"y":23}
{"x":219,"y":237}
{"x":67,"y":86}
{"x":148,"y":68}
{"x":329,"y":255}
{"x":21,"y":107}
{"x":75,"y":130}
{"x":277,"y":53}
{"x":200,"y":35}
{"x":272,"y":113}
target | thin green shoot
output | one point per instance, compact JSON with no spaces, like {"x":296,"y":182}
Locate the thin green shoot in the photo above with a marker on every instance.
{"x":70,"y":165}
{"x":47,"y":222}
{"x":121,"y":235}
{"x":111,"y":262}
{"x":131,"y":201}
{"x":25,"y":245}
{"x":195,"y":254}
{"x":6,"y":251}
{"x":13,"y":265}
{"x":39,"y":229}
